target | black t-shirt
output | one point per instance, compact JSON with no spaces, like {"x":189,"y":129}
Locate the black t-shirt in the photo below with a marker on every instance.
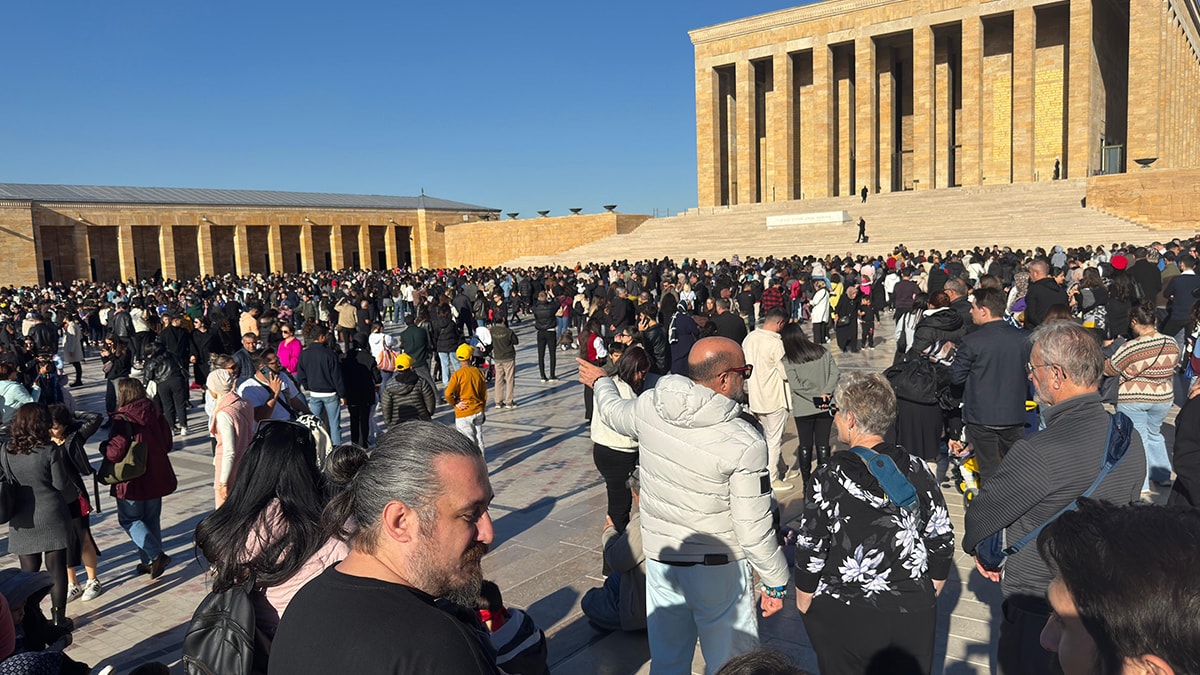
{"x":339,"y":623}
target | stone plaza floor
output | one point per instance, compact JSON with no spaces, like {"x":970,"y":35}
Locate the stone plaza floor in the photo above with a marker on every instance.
{"x":548,"y":512}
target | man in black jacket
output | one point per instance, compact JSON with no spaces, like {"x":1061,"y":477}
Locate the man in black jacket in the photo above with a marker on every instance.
{"x":1146,"y":276}
{"x":1044,"y":292}
{"x":320,"y":372}
{"x":727,"y":324}
{"x":990,"y":362}
{"x":903,"y":294}
{"x":1180,"y":294}
{"x":956,"y":290}
{"x":545,"y":322}
{"x":654,"y":339}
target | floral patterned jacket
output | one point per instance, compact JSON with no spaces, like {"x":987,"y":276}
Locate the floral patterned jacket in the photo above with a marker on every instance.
{"x":855,"y":545}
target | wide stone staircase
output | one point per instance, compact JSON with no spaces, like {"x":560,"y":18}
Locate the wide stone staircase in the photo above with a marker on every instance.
{"x":1021,"y":216}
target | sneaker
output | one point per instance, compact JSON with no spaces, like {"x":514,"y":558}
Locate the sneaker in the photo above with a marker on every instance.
{"x":181,"y":431}
{"x":553,"y":380}
{"x":74,"y":592}
{"x":780,"y":485}
{"x":160,"y":563}
{"x":92,"y":590}
{"x":511,"y":404}
{"x":544,"y":380}
{"x":792,"y":474}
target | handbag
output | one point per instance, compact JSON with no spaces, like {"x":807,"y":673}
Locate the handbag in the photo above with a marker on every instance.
{"x":131,"y":466}
{"x":8,"y":490}
{"x":844,"y":320}
{"x":914,"y":380}
{"x":994,"y":549}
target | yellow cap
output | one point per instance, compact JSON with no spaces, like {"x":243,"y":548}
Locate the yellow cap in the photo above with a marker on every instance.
{"x":464,"y":352}
{"x":403,"y":362}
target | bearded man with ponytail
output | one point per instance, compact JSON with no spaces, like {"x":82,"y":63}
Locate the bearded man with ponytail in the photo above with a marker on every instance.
{"x":415,"y":515}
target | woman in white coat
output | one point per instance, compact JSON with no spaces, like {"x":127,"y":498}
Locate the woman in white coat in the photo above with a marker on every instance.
{"x":73,"y":346}
{"x":820,"y":312}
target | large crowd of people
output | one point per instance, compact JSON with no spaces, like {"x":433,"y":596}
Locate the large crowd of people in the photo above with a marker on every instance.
{"x":691,"y":370}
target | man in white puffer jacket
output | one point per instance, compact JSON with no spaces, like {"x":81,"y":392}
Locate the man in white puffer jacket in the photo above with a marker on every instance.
{"x":706,"y":507}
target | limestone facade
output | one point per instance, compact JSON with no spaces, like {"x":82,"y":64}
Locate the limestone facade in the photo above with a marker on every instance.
{"x":821,"y":100}
{"x":494,"y":242}
{"x":1159,"y":199}
{"x":58,"y":241}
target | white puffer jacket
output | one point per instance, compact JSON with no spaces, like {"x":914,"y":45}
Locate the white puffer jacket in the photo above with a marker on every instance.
{"x":703,"y":469}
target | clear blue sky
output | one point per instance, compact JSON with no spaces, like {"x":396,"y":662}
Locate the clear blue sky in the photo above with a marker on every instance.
{"x":520,"y":106}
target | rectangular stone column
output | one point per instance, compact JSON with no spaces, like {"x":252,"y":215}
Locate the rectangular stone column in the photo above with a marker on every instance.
{"x":365,"y":258}
{"x":781,"y":128}
{"x":204,"y":249}
{"x":924,"y":99}
{"x":241,"y":250}
{"x":708,"y":141}
{"x":307,"y":253}
{"x":747,"y":150}
{"x":336,"y":252}
{"x":389,"y":247}
{"x":83,"y":252}
{"x":970,"y":132}
{"x":275,"y":248}
{"x":819,"y":153}
{"x":865,"y":115}
{"x":166,"y":252}
{"x":1024,"y":44}
{"x":1145,"y":82}
{"x":1077,"y":163}
{"x":125,"y":256}
{"x":887,"y":111}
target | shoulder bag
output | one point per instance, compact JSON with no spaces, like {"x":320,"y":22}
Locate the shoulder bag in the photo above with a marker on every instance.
{"x":994,"y":549}
{"x":894,"y":484}
{"x":131,"y":466}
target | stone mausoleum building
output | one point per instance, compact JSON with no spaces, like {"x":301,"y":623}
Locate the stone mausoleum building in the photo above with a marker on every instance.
{"x":54,"y":233}
{"x":821,"y":100}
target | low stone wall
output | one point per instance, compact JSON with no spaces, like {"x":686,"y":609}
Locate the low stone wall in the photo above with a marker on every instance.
{"x":482,"y":243}
{"x":1168,"y":198}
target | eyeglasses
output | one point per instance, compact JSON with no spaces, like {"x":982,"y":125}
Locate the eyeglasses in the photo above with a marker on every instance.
{"x":745,"y":371}
{"x":1029,"y":367}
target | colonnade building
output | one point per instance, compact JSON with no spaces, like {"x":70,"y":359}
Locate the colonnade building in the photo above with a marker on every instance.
{"x":894,"y":95}
{"x":52,"y":233}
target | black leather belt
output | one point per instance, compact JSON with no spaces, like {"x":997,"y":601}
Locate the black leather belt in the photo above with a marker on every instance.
{"x":710,"y":560}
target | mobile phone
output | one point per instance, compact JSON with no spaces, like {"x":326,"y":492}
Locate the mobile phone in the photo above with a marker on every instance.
{"x":821,"y":402}
{"x":266,"y":372}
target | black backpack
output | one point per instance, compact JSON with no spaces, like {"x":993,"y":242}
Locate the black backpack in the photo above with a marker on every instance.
{"x":222,"y":638}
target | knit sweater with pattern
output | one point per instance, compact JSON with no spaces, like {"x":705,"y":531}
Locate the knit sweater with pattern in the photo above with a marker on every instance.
{"x":1146,"y":366}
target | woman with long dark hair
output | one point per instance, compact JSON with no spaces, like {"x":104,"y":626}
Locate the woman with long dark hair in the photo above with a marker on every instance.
{"x":812,"y":375}
{"x":40,"y":526}
{"x":616,"y":456}
{"x":71,"y":431}
{"x":269,"y":529}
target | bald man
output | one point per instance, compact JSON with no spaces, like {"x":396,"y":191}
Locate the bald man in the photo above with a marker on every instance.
{"x":706,"y":506}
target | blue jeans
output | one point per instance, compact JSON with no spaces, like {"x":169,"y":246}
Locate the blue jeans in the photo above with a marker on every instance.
{"x":714,"y":603}
{"x":562,"y":324}
{"x":329,"y":409}
{"x":142,"y":521}
{"x":1148,"y":419}
{"x":602,"y":606}
{"x":449,"y":365}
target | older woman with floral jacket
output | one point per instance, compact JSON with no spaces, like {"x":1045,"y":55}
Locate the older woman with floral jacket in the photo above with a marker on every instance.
{"x":868,"y":570}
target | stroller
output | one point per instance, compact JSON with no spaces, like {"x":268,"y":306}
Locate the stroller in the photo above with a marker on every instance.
{"x":481,"y":342}
{"x":965,"y":475}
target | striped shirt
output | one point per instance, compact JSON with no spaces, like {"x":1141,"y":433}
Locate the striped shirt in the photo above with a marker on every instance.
{"x":1146,"y":366}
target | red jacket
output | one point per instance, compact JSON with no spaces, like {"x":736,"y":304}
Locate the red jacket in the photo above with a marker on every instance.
{"x":148,"y":425}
